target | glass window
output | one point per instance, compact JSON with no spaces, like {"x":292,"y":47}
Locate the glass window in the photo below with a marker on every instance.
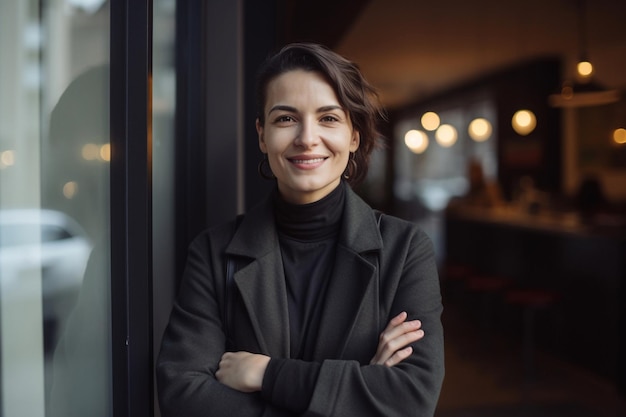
{"x":163,"y":174}
{"x":55,"y":357}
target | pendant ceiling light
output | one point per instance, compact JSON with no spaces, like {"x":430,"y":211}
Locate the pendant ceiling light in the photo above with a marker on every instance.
{"x":583,"y":91}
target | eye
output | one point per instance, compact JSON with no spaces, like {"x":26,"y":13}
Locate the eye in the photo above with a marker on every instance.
{"x":284,"y":118}
{"x":329,"y":118}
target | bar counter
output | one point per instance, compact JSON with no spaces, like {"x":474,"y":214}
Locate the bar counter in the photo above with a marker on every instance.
{"x":585,"y":264}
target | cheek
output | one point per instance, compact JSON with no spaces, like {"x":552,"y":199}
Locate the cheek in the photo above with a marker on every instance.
{"x":278,"y":140}
{"x":342,"y":142}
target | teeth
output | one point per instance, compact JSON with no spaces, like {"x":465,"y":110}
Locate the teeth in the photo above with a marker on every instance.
{"x":307,"y":161}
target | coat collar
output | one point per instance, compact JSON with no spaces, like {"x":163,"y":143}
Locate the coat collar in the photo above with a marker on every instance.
{"x":262,"y":282}
{"x":257,"y":236}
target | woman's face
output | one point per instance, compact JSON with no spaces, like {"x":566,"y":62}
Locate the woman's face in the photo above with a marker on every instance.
{"x":307,"y":136}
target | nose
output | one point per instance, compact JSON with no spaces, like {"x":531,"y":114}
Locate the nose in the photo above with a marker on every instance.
{"x":307,"y":135}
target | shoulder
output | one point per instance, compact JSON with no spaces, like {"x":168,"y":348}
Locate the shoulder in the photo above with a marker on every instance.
{"x":369,"y":224}
{"x":403,"y":239}
{"x":252,"y":220}
{"x":251,"y":234}
{"x":392,"y":226}
{"x":218,"y":235}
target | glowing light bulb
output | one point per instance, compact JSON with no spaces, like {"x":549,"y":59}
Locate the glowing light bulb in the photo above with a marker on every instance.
{"x":446,"y":135}
{"x":524,"y":122}
{"x":480,"y":129}
{"x":619,"y":136}
{"x":430,"y":120}
{"x":584,"y":69}
{"x":416,"y":141}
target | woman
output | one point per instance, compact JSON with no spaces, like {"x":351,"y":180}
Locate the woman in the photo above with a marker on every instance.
{"x":332,"y":311}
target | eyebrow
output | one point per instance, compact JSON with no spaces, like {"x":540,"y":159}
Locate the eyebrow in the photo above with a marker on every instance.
{"x":323,"y":109}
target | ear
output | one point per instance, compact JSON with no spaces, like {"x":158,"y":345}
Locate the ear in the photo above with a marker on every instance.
{"x":259,"y":131}
{"x":356,"y":141}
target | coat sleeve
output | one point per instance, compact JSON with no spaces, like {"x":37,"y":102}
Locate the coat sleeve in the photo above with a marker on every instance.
{"x":411,"y":388}
{"x":192,"y":346}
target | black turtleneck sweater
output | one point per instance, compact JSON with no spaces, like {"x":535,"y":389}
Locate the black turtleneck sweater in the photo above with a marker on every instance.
{"x":308,"y":237}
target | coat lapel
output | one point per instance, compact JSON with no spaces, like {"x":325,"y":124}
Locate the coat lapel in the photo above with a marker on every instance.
{"x":351,"y":304}
{"x":352,"y":285}
{"x":261,"y":282}
{"x":263,"y":290}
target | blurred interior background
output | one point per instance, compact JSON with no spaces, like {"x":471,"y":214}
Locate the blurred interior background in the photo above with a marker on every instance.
{"x":127,"y":127}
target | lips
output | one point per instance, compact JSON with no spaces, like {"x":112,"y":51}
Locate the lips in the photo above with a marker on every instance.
{"x":307,"y":162}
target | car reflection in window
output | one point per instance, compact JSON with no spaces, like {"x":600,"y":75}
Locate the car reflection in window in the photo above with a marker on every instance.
{"x":53,"y":243}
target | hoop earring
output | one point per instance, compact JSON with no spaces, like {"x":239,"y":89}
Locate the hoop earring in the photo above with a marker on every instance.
{"x":351,"y":168}
{"x":264,"y":167}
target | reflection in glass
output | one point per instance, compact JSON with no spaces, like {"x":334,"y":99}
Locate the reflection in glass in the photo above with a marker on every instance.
{"x":54,"y":210}
{"x":7,"y":159}
{"x":163,"y":173}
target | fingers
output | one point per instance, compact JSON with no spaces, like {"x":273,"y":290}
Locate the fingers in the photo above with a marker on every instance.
{"x":223,"y":366}
{"x":398,"y":357}
{"x":397,"y":320}
{"x":228,"y":371}
{"x":399,"y":338}
{"x":393,"y":345}
{"x":394,"y":333}
{"x":242,"y":371}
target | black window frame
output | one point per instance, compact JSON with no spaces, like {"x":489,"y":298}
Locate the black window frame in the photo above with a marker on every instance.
{"x":131,"y":207}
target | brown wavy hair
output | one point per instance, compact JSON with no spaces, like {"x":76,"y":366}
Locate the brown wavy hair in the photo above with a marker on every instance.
{"x":355,"y":94}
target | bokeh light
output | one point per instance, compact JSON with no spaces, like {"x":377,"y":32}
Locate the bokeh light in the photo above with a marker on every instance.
{"x":480,"y":129}
{"x":619,"y":136}
{"x":430,"y":120}
{"x":446,"y":135}
{"x":416,"y":141}
{"x":524,"y":122}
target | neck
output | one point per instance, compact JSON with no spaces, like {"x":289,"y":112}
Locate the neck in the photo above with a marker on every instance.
{"x":311,"y":221}
{"x":307,"y":197}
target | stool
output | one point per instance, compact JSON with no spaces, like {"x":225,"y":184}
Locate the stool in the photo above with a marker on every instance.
{"x":489,"y":288}
{"x":530,"y":300}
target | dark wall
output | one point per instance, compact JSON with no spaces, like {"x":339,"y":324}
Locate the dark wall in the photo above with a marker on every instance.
{"x":262,"y":36}
{"x":537,"y":155}
{"x":219,"y":47}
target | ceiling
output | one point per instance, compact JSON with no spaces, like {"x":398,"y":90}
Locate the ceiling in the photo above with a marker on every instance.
{"x":411,"y":49}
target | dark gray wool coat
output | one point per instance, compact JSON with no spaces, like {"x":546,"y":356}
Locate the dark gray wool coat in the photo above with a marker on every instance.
{"x":359,"y":303}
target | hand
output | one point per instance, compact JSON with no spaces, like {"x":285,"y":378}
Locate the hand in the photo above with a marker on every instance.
{"x":394,"y":340}
{"x":242,"y":371}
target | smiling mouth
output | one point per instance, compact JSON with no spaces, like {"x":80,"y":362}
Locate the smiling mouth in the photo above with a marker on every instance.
{"x":307,"y":161}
